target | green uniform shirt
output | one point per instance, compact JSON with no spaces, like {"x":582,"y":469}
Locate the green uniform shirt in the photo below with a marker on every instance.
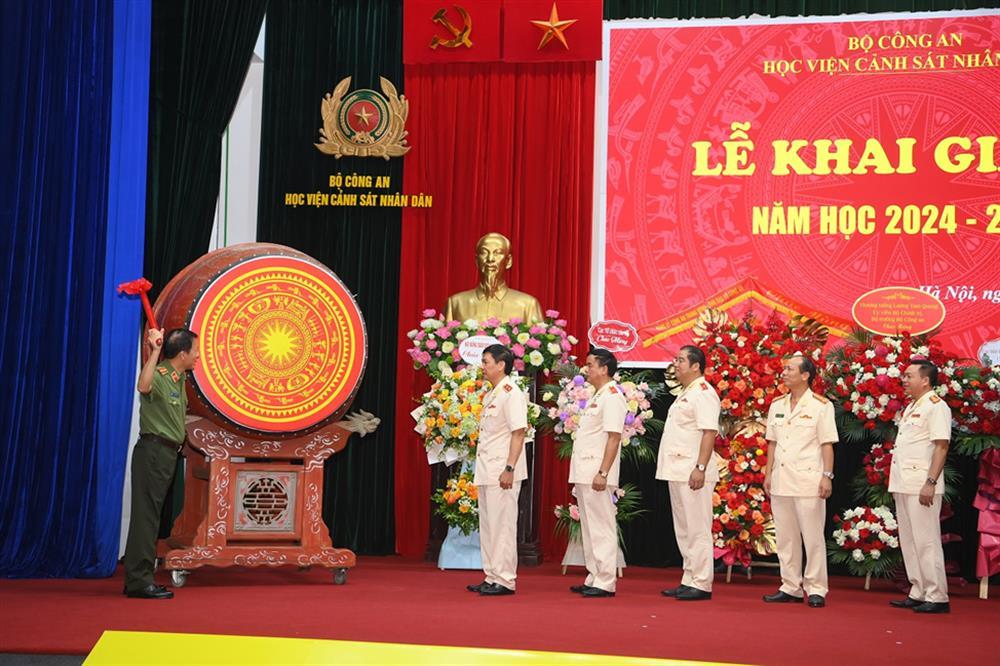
{"x":162,"y":411}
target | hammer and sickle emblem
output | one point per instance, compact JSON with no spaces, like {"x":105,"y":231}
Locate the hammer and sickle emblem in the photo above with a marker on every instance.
{"x":458,"y":37}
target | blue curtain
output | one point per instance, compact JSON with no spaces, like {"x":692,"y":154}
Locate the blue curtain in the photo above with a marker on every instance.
{"x":68,"y":346}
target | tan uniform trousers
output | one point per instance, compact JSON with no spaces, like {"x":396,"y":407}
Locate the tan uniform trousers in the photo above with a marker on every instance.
{"x":600,"y":536}
{"x":498,"y":533}
{"x":920,"y":542}
{"x":692,"y":512}
{"x":798,"y":521}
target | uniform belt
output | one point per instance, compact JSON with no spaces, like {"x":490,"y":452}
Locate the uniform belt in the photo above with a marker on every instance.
{"x":164,"y":441}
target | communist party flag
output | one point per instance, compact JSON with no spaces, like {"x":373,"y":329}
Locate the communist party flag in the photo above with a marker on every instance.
{"x":440,"y":31}
{"x":552,"y":30}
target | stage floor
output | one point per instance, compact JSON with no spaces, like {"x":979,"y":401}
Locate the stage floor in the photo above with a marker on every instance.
{"x":392,"y":600}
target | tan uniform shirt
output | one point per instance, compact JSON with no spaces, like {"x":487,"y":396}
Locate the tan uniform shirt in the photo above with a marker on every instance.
{"x":697,"y":408}
{"x":604,"y":414}
{"x":505,"y":410}
{"x":923,"y":421}
{"x":799,"y":435}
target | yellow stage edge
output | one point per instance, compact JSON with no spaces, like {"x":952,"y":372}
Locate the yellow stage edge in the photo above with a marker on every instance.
{"x":149,"y":648}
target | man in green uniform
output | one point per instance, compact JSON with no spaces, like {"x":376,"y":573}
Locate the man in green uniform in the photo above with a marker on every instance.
{"x":162,"y":410}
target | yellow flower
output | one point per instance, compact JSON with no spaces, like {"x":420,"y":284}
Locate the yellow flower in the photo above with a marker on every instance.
{"x":463,"y":508}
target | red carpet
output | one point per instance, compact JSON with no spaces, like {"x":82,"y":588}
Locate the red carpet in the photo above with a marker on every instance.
{"x":396,"y":600}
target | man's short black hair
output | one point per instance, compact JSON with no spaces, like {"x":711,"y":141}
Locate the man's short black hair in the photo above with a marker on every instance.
{"x":605,"y":359}
{"x":501,"y":354}
{"x":178,"y":340}
{"x":927,"y":369}
{"x":694,"y":355}
{"x":806,"y":365}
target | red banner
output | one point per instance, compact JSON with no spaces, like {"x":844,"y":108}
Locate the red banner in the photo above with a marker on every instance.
{"x":550,"y":31}
{"x":441,"y":32}
{"x":821,"y":159}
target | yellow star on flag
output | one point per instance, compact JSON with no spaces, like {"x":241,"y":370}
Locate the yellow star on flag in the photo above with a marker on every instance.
{"x":554,"y":28}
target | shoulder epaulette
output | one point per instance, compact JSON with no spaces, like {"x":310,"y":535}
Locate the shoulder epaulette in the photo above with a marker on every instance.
{"x":508,"y":388}
{"x":705,"y":386}
{"x":612,"y":390}
{"x":161,"y":370}
{"x":935,"y":399}
{"x":821,"y":398}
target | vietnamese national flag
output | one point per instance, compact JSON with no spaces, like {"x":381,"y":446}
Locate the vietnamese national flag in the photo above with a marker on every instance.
{"x":445,"y":31}
{"x":552,"y":30}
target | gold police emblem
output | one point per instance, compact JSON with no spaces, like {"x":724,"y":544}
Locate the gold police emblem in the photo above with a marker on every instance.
{"x":364,"y":123}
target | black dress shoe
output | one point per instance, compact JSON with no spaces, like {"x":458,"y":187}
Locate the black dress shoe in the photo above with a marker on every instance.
{"x":494,"y":590}
{"x":673,"y":591}
{"x":932,"y":607}
{"x":908,"y":602}
{"x":579,"y":589}
{"x":693,"y":594}
{"x":476,"y":588}
{"x":816,"y":601}
{"x":150,"y":592}
{"x":596,"y":592}
{"x":782,"y":598}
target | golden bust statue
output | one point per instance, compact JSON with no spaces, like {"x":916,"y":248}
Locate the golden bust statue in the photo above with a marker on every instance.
{"x":492,"y":297}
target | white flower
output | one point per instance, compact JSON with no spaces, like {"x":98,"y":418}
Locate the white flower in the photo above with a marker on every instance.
{"x":461,"y":335}
{"x":431,"y":323}
{"x":870,"y":353}
{"x":535,"y":358}
{"x":411,"y":334}
{"x":921,"y":351}
{"x":499,"y":330}
{"x":875,"y":554}
{"x":447,"y":346}
{"x":547,"y":396}
{"x":893,"y":371}
{"x":883,"y":400}
{"x":858,"y":555}
{"x":471,"y":323}
{"x":554,"y":349}
{"x":572,"y":339}
{"x":523,"y":337}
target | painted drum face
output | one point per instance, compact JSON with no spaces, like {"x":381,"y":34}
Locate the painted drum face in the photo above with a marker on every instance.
{"x":282,"y":344}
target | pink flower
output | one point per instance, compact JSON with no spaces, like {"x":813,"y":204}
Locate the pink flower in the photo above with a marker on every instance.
{"x":552,"y":314}
{"x":554,"y":331}
{"x":429,"y":312}
{"x":561,"y":323}
{"x":454,"y":324}
{"x":504,"y":339}
{"x":533,"y":343}
{"x":492,"y":322}
{"x":574,"y":512}
{"x":455,"y":355}
{"x":443,"y":333}
{"x":566,"y":346}
{"x":432,"y":343}
{"x":536,"y":330}
{"x":425,"y":358}
{"x":518,"y":350}
{"x":519,"y":365}
{"x":420,"y":336}
{"x":515,"y":321}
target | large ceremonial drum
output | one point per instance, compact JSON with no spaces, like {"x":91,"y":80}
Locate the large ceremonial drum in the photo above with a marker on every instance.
{"x":283,"y":351}
{"x":282,"y":341}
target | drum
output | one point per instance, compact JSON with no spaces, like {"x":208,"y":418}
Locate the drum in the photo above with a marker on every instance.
{"x":283,"y":343}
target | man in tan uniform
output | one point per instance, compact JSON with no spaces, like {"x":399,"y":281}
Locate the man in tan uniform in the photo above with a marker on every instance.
{"x":594,"y":470}
{"x":916,"y":486}
{"x":687,"y":461}
{"x":801,"y":432}
{"x":500,"y":469}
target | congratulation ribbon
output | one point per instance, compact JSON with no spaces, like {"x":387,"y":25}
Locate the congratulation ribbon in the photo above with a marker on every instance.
{"x":988,"y":502}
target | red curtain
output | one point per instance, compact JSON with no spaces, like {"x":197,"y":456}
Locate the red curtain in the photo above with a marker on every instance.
{"x":505,"y":148}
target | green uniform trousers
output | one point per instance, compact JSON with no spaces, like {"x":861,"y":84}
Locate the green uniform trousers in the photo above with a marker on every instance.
{"x":153,"y":466}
